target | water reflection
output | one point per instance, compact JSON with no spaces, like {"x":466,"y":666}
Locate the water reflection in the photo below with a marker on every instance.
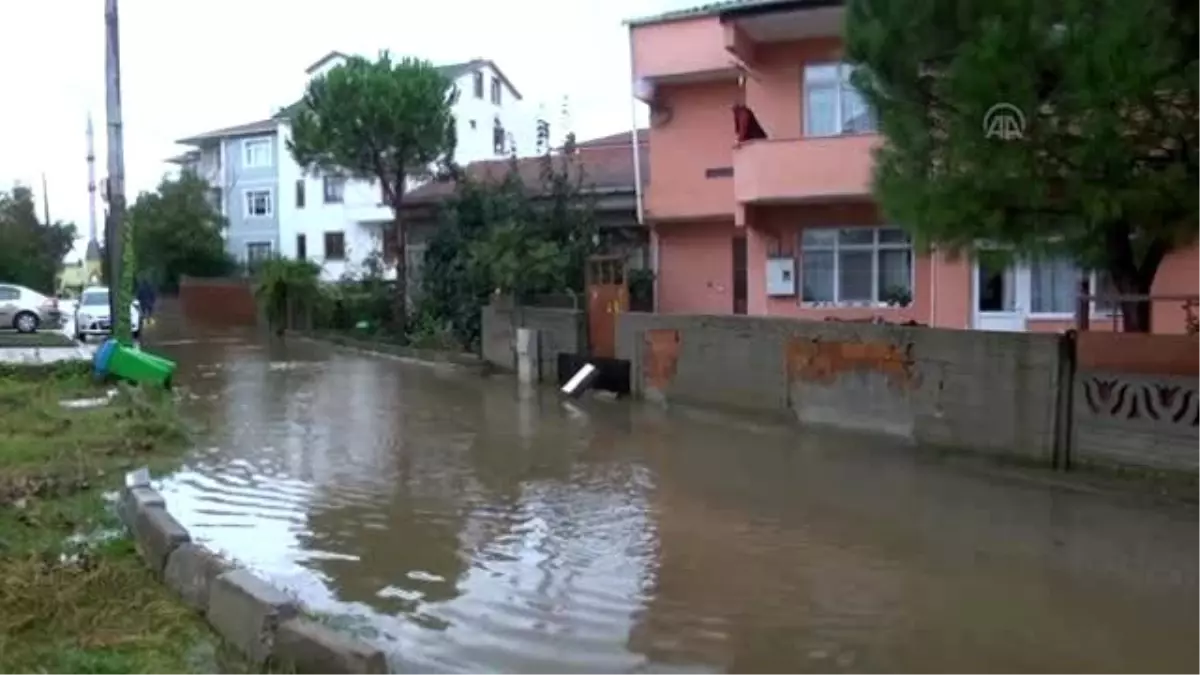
{"x":478,"y":526}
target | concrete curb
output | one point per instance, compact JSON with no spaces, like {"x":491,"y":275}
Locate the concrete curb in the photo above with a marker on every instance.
{"x":263,"y":623}
{"x":471,"y":362}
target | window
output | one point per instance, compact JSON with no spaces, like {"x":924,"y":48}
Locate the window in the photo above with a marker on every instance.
{"x":389,"y":244}
{"x":258,"y":251}
{"x":8,"y":293}
{"x":496,"y":90}
{"x":832,"y":106}
{"x":1054,"y":286}
{"x":216,"y":199}
{"x":300,"y":193}
{"x":856,"y":266}
{"x":301,"y":247}
{"x":256,"y":153}
{"x":335,"y":246}
{"x":498,"y":137}
{"x":335,"y":188}
{"x":478,"y":75}
{"x":258,"y":204}
{"x":472,"y":123}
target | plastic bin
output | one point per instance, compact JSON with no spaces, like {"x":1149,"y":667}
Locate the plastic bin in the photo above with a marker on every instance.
{"x":114,"y":358}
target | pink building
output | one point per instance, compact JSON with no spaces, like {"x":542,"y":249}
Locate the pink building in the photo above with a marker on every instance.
{"x":786,"y":225}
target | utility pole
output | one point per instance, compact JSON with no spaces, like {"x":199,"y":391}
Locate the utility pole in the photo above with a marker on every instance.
{"x":45,"y":201}
{"x":117,"y":239}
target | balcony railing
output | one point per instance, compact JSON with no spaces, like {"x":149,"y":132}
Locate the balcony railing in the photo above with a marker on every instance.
{"x":798,"y":169}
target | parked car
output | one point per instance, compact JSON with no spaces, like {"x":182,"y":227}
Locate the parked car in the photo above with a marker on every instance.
{"x":92,"y":314}
{"x":27,"y":310}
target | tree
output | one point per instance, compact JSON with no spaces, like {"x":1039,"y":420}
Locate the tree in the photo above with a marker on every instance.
{"x":386,"y":121}
{"x":177,"y":231}
{"x":1100,"y":97}
{"x":509,"y":236}
{"x":31,"y":252}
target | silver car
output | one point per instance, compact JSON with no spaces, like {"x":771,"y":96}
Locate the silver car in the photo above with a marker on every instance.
{"x":27,"y":310}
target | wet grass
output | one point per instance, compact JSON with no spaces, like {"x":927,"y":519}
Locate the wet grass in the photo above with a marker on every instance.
{"x":74,"y":595}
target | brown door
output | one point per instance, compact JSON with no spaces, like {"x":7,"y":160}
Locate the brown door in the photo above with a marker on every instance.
{"x":739,"y":275}
{"x":607,"y":298}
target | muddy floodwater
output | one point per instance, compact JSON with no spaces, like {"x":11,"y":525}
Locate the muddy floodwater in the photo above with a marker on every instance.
{"x":467,"y":525}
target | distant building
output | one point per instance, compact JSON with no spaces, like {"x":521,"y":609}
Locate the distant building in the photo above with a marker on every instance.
{"x":273,"y":207}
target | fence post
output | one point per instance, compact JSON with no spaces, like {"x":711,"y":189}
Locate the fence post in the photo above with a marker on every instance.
{"x":1083,"y":306}
{"x":1064,"y":401}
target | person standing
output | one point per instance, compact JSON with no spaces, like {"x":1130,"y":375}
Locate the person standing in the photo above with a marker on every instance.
{"x":145,"y":297}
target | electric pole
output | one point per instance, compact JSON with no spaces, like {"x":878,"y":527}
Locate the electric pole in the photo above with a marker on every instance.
{"x":117,"y":239}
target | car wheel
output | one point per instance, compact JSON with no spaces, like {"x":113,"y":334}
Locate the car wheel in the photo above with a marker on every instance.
{"x":81,"y":338}
{"x":25,"y":322}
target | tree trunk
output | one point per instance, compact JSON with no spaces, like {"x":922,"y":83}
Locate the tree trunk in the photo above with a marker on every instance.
{"x":1135,"y":314}
{"x":400,"y":300}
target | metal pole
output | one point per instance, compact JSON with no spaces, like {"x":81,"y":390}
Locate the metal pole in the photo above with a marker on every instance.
{"x":118,"y":286}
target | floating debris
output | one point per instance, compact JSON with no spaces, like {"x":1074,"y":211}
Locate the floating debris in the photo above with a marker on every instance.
{"x":94,"y":402}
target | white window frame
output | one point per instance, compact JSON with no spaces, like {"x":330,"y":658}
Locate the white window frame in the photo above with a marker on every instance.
{"x":1093,"y":279}
{"x":329,"y":180}
{"x":250,"y":155}
{"x":837,"y":247}
{"x":249,"y":213}
{"x":839,"y":87}
{"x":270,"y":249}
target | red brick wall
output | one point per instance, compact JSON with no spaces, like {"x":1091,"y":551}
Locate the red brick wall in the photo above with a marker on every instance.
{"x":222,"y":302}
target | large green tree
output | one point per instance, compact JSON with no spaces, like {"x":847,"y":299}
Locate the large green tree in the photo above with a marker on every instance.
{"x":386,"y":121}
{"x":31,"y":252}
{"x":518,"y":235}
{"x":1099,"y":162}
{"x":177,"y":231}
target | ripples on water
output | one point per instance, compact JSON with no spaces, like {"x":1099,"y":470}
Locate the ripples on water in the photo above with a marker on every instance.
{"x":473,"y":527}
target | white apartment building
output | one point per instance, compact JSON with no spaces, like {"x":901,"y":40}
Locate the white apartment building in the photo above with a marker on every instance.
{"x":274,"y":207}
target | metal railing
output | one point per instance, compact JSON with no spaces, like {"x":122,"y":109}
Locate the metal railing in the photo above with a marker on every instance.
{"x":1110,"y":307}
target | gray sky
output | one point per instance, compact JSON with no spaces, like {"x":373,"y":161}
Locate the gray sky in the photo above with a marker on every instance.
{"x":193,"y":65}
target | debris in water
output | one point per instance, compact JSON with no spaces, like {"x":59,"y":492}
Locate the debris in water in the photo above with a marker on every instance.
{"x":94,"y":402}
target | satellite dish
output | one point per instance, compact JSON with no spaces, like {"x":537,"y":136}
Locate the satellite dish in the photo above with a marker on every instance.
{"x":643,"y":89}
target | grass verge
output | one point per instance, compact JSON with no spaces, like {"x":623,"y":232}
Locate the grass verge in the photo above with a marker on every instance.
{"x":75,"y":595}
{"x":42,"y":338}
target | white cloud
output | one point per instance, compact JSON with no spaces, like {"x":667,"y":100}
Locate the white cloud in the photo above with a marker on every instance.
{"x":193,"y":65}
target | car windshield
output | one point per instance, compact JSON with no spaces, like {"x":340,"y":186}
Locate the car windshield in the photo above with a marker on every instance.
{"x":94,"y":298}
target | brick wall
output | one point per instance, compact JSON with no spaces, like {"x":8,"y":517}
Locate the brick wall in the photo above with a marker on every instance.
{"x":990,"y":392}
{"x":219,"y":302}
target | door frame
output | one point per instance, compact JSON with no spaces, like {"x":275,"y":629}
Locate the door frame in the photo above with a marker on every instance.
{"x":1018,"y":317}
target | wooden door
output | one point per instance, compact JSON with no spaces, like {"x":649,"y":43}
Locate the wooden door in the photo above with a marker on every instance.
{"x":608,"y":296}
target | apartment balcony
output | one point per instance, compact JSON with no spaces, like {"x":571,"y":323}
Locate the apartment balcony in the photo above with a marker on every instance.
{"x":681,"y":51}
{"x":803,"y":169}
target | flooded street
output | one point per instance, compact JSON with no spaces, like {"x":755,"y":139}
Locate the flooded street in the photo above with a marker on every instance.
{"x":465,"y":525}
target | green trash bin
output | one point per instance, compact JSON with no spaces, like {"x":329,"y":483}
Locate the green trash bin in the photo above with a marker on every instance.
{"x":114,"y":358}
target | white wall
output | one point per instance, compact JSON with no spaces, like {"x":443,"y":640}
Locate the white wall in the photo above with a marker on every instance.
{"x":362,"y":214}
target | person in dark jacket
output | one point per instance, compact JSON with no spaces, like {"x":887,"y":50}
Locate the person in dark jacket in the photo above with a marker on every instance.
{"x":145,"y":297}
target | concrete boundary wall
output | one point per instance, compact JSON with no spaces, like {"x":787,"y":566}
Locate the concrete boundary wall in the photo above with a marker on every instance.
{"x":559,"y":331}
{"x":995,"y":393}
{"x":263,"y":623}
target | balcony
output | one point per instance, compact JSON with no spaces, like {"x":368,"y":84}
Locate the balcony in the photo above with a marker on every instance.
{"x":803,"y":169}
{"x":682,"y":51}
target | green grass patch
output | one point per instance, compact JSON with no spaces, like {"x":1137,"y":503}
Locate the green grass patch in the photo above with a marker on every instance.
{"x":74,"y":595}
{"x":42,"y":338}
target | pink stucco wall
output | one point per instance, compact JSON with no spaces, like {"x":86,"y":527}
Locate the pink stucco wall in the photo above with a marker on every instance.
{"x":780,"y":184}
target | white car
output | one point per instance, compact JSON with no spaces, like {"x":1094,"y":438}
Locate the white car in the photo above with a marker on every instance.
{"x":27,"y":310}
{"x":92,"y":314}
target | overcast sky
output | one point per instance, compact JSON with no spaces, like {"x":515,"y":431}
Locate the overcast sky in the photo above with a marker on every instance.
{"x":194,"y":65}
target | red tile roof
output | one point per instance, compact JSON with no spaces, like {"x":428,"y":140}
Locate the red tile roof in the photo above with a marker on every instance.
{"x":604,"y":166}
